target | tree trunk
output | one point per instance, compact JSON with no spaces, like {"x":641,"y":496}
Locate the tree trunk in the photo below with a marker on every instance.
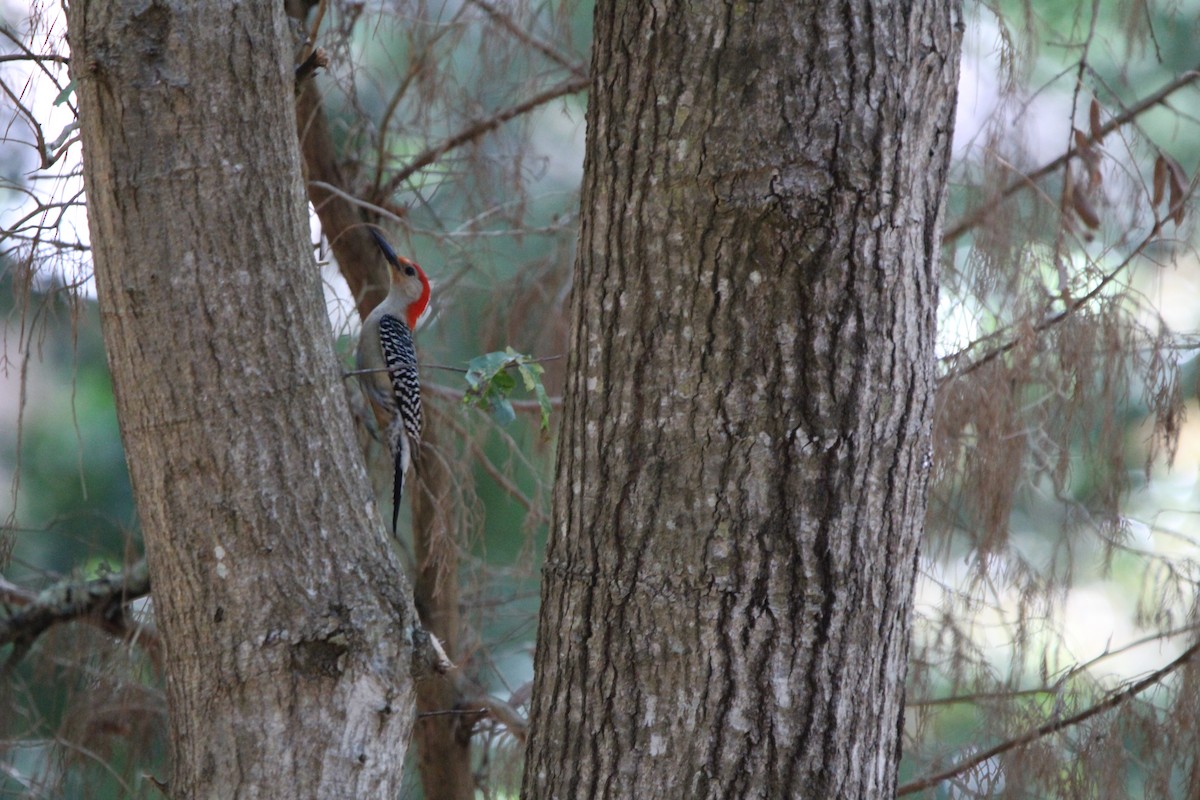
{"x":742,"y":468}
{"x":285,"y":618}
{"x":442,"y":740}
{"x":442,"y":737}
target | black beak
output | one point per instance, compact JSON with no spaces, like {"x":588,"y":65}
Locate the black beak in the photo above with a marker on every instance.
{"x":388,"y":252}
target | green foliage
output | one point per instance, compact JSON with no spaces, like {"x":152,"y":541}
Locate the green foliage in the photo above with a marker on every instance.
{"x":65,"y":94}
{"x":491,"y":384}
{"x":73,"y":500}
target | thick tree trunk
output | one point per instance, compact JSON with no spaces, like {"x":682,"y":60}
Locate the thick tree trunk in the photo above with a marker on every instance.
{"x":284,"y":616}
{"x":745,"y":443}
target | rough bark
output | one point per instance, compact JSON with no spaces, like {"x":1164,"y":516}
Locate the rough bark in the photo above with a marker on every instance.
{"x":284,"y":617}
{"x":742,"y":468}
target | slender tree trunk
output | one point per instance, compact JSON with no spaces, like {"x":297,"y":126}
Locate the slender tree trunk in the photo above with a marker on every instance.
{"x":742,"y":469}
{"x":284,"y":616}
{"x":442,"y":740}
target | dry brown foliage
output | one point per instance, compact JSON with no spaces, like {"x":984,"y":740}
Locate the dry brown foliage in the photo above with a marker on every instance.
{"x":1062,"y":380}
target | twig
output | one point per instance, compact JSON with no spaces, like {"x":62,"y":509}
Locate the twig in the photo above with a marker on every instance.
{"x":978,"y":215}
{"x":502,"y":480}
{"x":33,"y":123}
{"x":510,"y":488}
{"x":486,"y":706}
{"x":460,"y":370}
{"x":105,"y":763}
{"x":35,"y":57}
{"x":354,"y":372}
{"x":504,"y":713}
{"x":480,"y":127}
{"x":1050,"y":727}
{"x":349,"y":198}
{"x":452,"y":712}
{"x":1057,"y":685}
{"x":458,"y":394}
{"x":417,"y":63}
{"x":543,"y":47}
{"x":1046,"y":324}
{"x":394,"y":103}
{"x":541,"y":360}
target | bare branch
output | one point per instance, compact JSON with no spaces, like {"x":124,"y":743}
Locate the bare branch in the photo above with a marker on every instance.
{"x":356,"y":201}
{"x":457,"y":394}
{"x":30,"y":119}
{"x":509,"y":487}
{"x":37,"y":57}
{"x":1049,"y":728}
{"x":502,"y":712}
{"x":481,"y":127}
{"x":545,"y":48}
{"x":101,"y":598}
{"x":1056,"y":687}
{"x":452,"y":712}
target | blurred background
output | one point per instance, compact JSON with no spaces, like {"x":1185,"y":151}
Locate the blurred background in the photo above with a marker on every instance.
{"x":1059,"y":570}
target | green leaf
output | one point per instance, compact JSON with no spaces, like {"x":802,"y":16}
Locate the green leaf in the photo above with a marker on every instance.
{"x":532,"y":375}
{"x":65,"y":94}
{"x":490,"y":384}
{"x":502,"y":411}
{"x":481,"y":369}
{"x":504,"y":383}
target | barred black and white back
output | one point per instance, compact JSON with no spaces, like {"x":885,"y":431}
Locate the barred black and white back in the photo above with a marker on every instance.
{"x":404,"y":430}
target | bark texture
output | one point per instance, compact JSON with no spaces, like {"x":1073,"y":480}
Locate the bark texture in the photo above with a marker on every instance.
{"x":742,"y":468}
{"x":442,"y":741}
{"x":284,"y":616}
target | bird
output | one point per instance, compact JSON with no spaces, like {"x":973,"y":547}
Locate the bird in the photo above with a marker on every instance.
{"x":387,"y":363}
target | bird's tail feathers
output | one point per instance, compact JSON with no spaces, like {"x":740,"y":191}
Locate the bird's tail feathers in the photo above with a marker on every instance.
{"x":397,"y":491}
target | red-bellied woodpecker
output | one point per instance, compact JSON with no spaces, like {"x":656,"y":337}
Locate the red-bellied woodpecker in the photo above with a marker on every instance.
{"x":387,"y":363}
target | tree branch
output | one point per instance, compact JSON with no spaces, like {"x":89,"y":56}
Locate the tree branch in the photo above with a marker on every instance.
{"x":480,"y":127}
{"x":450,"y":393}
{"x":101,"y":600}
{"x":502,"y":712}
{"x":37,"y":57}
{"x":520,"y":34}
{"x":509,"y":487}
{"x":1051,"y":727}
{"x":1079,"y":303}
{"x":1058,"y":684}
{"x":1028,"y":179}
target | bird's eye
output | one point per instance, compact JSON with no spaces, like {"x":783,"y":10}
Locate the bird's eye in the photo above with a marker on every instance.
{"x":409,"y":271}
